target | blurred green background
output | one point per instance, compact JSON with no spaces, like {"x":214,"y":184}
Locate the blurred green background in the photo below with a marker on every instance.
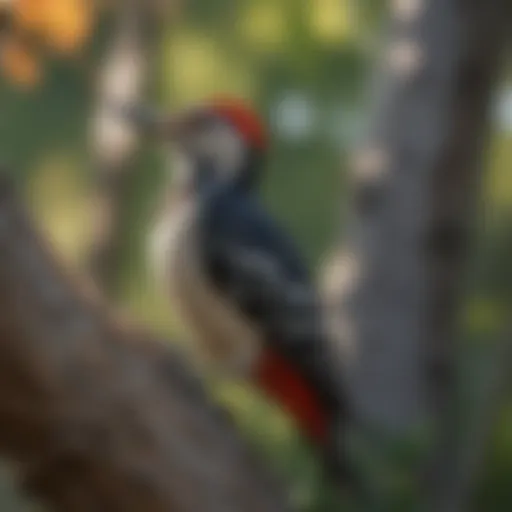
{"x":304,"y":63}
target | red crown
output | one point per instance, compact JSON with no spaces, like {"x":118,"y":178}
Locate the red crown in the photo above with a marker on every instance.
{"x":243,"y":118}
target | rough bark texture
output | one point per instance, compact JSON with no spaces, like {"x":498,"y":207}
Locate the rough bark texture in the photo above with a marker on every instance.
{"x":97,"y":416}
{"x":125,"y":75}
{"x":415,"y":181}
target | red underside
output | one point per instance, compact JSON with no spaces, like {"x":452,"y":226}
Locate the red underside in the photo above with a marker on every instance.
{"x":288,"y":388}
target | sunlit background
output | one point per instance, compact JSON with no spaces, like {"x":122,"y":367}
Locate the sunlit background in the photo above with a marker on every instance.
{"x":304,"y":63}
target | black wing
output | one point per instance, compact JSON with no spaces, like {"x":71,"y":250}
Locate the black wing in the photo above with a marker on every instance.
{"x":251,"y":260}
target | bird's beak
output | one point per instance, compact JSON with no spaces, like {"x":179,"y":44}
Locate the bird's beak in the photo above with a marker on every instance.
{"x":150,"y":123}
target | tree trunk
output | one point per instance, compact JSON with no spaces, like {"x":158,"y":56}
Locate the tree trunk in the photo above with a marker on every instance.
{"x":415,"y":183}
{"x":99,"y":416}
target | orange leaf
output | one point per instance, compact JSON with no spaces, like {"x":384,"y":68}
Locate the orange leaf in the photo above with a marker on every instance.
{"x":30,"y":15}
{"x":68,"y":23}
{"x":65,"y":24}
{"x":19,"y":64}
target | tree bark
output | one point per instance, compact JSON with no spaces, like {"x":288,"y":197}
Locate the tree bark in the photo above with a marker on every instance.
{"x":415,"y":183}
{"x":97,"y":415}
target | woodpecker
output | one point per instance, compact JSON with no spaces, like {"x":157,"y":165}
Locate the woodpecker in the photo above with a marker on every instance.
{"x":233,"y":273}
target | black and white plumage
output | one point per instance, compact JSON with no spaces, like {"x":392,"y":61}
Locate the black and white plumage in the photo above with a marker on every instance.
{"x":251,"y":260}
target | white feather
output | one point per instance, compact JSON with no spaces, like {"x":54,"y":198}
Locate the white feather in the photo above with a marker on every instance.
{"x":226,"y":338}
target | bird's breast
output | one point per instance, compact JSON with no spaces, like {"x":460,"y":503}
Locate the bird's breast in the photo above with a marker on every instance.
{"x":221,"y":333}
{"x":169,"y":236}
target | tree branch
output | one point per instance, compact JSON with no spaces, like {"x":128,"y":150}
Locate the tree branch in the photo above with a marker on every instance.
{"x":99,"y":416}
{"x":127,"y":71}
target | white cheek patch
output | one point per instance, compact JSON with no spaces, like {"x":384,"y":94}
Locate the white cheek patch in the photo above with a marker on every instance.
{"x":223,"y":145}
{"x":230,"y":149}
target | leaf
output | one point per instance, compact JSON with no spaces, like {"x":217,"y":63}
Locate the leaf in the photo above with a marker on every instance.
{"x":68,"y":24}
{"x":19,"y":64}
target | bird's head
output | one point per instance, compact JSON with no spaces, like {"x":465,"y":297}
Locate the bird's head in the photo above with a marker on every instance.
{"x":222,"y":139}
